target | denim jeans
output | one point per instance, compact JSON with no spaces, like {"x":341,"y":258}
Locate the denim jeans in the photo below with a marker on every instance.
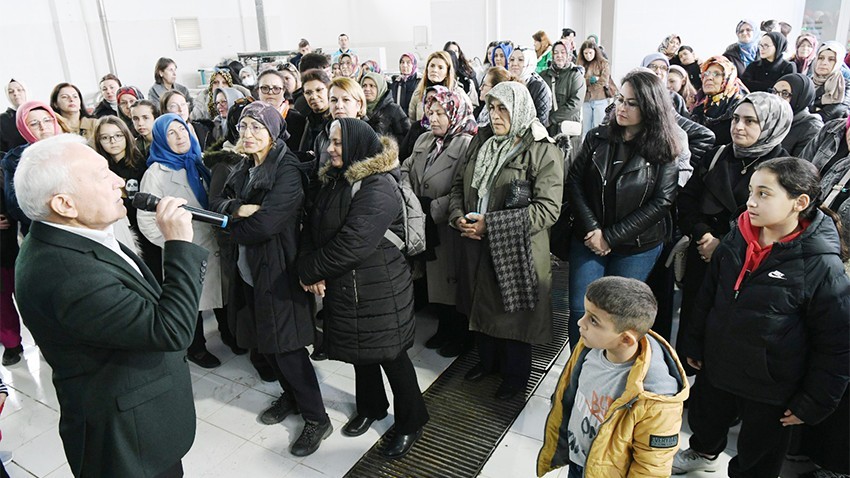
{"x":586,"y":267}
{"x":593,"y":113}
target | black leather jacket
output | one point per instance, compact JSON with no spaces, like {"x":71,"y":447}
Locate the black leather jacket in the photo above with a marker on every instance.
{"x":644,"y":194}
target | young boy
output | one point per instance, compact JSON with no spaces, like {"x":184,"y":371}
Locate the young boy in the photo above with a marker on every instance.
{"x":617,"y":409}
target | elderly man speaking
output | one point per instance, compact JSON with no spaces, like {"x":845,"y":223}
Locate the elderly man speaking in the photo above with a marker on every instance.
{"x":115,"y":339}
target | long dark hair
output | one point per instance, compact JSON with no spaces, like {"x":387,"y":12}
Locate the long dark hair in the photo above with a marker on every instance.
{"x":54,"y":99}
{"x":131,"y":154}
{"x":657,"y":141}
{"x":464,"y":66}
{"x":797,"y":177}
{"x":598,"y":61}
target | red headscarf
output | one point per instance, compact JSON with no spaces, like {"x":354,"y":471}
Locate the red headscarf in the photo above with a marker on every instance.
{"x":21,"y":119}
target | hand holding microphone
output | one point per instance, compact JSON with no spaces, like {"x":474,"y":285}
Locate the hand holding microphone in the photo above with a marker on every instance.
{"x":148,"y":202}
{"x":173,"y":221}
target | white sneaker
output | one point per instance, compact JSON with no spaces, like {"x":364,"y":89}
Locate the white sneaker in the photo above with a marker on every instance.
{"x":690,"y":460}
{"x":6,"y":457}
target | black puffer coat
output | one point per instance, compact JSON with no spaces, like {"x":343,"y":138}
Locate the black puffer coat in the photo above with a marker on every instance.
{"x":369,"y":290}
{"x":782,"y":339}
{"x":389,"y":119}
{"x":700,"y":138}
{"x":644,"y":194}
{"x":542,"y":96}
{"x":282,"y":320}
{"x":402,"y":90}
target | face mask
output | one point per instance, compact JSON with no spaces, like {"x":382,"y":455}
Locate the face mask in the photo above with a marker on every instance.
{"x":248,"y":81}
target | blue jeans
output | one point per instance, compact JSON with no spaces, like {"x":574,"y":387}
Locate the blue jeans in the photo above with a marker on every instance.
{"x":593,"y":114}
{"x":575,"y":471}
{"x":586,"y":267}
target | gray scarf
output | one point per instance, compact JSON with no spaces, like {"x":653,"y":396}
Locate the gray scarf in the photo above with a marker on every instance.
{"x":775,"y":117}
{"x":495,"y":151}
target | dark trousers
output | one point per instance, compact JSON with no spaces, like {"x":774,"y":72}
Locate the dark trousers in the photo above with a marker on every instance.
{"x":662,"y":282}
{"x":174,"y":471}
{"x":297,"y":378}
{"x":410,"y":411}
{"x":199,"y":342}
{"x":762,"y":442}
{"x":451,"y":324}
{"x":695,"y":270}
{"x":511,"y":358}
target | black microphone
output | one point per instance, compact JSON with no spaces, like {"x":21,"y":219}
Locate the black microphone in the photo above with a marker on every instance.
{"x":148,"y":202}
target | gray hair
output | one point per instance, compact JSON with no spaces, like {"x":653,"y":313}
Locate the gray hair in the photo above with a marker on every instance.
{"x":43,"y":172}
{"x":630,"y":302}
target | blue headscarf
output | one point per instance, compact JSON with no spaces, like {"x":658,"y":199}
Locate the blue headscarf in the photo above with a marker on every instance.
{"x":749,"y":51}
{"x":196,"y":173}
{"x":507,"y":49}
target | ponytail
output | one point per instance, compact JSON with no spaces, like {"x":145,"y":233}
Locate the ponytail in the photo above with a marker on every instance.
{"x":845,"y":253}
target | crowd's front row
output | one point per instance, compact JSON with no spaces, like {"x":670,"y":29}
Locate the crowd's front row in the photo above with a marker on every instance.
{"x":768,"y":334}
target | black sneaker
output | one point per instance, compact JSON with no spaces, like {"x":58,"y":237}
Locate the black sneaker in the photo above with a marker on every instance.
{"x":280,"y":409}
{"x":13,"y":355}
{"x":311,"y":437}
{"x":204,"y":359}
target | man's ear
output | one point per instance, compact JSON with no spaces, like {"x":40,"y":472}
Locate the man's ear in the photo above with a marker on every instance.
{"x":63,"y":205}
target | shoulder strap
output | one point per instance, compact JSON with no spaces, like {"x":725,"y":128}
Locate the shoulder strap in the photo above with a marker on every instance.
{"x":388,"y":235}
{"x":836,"y":189}
{"x":716,"y":157}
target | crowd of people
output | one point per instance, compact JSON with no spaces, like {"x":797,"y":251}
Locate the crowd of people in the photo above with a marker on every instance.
{"x":728,"y":177}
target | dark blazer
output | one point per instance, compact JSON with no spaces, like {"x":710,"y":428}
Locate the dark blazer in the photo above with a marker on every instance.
{"x":117,"y":344}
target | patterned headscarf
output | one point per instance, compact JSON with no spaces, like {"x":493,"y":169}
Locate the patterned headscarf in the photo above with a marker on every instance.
{"x":775,"y":117}
{"x":211,"y":102}
{"x":833,"y":83}
{"x":507,"y":49}
{"x":197,"y":174}
{"x":495,"y":151}
{"x":413,"y":70}
{"x":803,"y":64}
{"x":749,"y":51}
{"x":458,"y":109}
{"x":381,"y":83}
{"x":731,"y":84}
{"x":662,"y":48}
{"x":231,"y":94}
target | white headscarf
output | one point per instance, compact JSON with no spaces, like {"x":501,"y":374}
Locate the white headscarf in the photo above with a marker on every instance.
{"x":9,"y":97}
{"x":529,"y":56}
{"x":833,"y":83}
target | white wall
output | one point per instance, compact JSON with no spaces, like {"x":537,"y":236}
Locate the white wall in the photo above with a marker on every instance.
{"x":639,"y":27}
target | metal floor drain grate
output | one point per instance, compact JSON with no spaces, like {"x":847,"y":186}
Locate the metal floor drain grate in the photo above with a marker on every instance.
{"x":466,"y":421}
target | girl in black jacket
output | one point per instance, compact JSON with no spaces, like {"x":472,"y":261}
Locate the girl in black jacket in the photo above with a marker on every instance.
{"x":762,"y":74}
{"x":364,"y":278}
{"x":620,"y":189}
{"x":770,"y":335}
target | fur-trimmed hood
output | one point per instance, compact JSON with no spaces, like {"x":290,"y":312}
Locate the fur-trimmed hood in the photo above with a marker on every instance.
{"x":384,"y":162}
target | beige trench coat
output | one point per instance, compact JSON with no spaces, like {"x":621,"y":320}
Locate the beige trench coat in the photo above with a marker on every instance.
{"x":543,"y":163}
{"x":161,"y":181}
{"x":436,"y":183}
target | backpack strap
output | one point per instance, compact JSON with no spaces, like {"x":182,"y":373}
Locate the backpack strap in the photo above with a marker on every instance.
{"x":388,"y":235}
{"x":836,"y":189}
{"x":716,"y":157}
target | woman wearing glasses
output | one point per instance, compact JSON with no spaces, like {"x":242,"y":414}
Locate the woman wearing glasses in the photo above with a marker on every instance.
{"x":67,"y":101}
{"x":224,"y":99}
{"x":719,"y":185}
{"x":272,"y":89}
{"x":268,"y":308}
{"x":620,"y":189}
{"x":175,"y":169}
{"x":176,"y":102}
{"x":799,"y":91}
{"x":203,"y":107}
{"x":762,"y":74}
{"x":721,"y":91}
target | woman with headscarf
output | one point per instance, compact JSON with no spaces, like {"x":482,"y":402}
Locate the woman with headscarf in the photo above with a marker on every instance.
{"x":10,"y":137}
{"x":566,"y":82}
{"x":365,"y":279}
{"x":173,"y":101}
{"x":126,"y":97}
{"x":762,"y":74}
{"x":222,"y":100}
{"x":719,"y":186}
{"x":746,"y":50}
{"x":716,"y":100}
{"x":832,"y":90}
{"x":508,"y":302}
{"x":660,"y":65}
{"x":669,"y":47}
{"x":203,"y":108}
{"x":430,"y":171}
{"x":175,"y":169}
{"x":404,"y":84}
{"x":501,"y":54}
{"x":35,"y":121}
{"x":383,"y":114}
{"x":622,"y":232}
{"x":597,"y":71}
{"x":248,"y":77}
{"x":805,"y":51}
{"x":799,"y":91}
{"x":269,"y":310}
{"x":522,"y":64}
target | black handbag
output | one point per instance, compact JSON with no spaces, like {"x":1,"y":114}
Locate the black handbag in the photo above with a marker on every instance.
{"x":561,"y":233}
{"x":519,"y":194}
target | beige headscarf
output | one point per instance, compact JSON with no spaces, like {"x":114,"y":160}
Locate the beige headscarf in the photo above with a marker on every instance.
{"x":833,"y":83}
{"x":496,"y":150}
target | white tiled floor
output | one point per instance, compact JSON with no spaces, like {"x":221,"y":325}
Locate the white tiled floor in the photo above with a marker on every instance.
{"x":230,"y":441}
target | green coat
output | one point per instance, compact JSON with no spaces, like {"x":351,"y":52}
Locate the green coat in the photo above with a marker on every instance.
{"x":545,"y":165}
{"x":568,"y":92}
{"x":116,"y":343}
